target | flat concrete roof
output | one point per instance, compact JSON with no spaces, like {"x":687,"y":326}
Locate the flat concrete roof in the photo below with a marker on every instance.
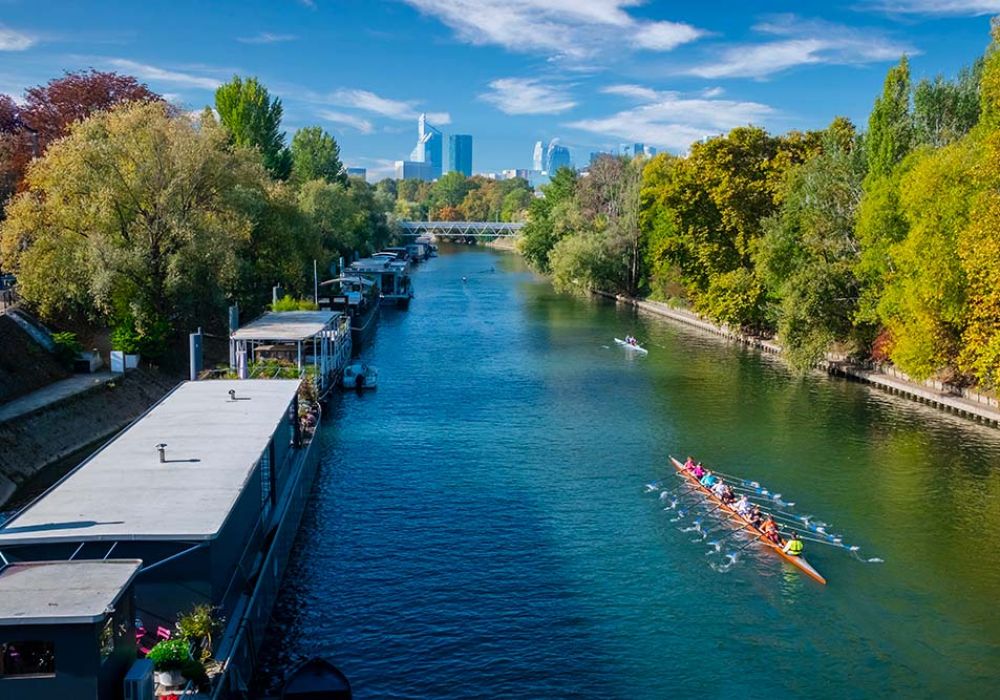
{"x":286,"y":325}
{"x":125,"y":493}
{"x":62,"y":592}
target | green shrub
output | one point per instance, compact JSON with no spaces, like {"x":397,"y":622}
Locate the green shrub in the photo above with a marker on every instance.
{"x":170,"y":654}
{"x":290,"y":303}
{"x":67,"y":347}
{"x":198,"y":625}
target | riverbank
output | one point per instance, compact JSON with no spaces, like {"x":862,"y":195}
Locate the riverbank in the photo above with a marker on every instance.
{"x":963,"y":402}
{"x":32,"y":444}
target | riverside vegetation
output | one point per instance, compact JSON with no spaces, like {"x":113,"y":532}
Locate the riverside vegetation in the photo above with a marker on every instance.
{"x":884,"y":243}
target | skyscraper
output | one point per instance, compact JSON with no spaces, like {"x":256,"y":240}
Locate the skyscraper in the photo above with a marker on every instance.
{"x":460,"y":154}
{"x":538,"y":157}
{"x":556,"y":157}
{"x":430,"y":145}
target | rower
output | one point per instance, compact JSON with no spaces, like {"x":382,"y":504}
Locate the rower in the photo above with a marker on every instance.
{"x":742,"y":506}
{"x":770,"y":529}
{"x":793,"y":546}
{"x":754,"y":516}
{"x":698,"y":470}
{"x":719,"y":488}
{"x":727,"y":495}
{"x":689,"y":464}
{"x":708,"y":480}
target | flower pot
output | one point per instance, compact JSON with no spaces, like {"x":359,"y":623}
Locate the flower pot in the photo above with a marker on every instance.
{"x":170,"y":678}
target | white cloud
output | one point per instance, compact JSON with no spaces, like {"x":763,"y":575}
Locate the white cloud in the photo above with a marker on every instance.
{"x":801,"y":43}
{"x":162,"y":75}
{"x":571,"y":29}
{"x":12,"y":40}
{"x":266,"y":38}
{"x":637,"y":92}
{"x":669,"y":119}
{"x":366,"y":101}
{"x":937,"y":7}
{"x":344,"y":119}
{"x":527,"y":96}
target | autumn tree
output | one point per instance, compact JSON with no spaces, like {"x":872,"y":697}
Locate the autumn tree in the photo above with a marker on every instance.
{"x":253,"y":120}
{"x":315,"y":156}
{"x":544,"y":228}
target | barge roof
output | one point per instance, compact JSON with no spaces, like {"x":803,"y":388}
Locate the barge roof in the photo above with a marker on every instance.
{"x":286,"y":325}
{"x":62,"y":592}
{"x":124,"y":492}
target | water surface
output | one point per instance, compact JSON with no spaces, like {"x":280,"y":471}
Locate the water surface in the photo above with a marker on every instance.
{"x":480,"y":526}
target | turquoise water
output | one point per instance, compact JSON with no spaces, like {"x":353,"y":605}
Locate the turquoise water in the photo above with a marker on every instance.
{"x":480,"y":526}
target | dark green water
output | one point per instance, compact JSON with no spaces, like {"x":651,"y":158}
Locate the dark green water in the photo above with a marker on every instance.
{"x":480,"y":526}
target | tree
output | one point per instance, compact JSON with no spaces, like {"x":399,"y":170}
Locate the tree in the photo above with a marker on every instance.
{"x":316,"y":155}
{"x":944,"y":111}
{"x":449,"y":190}
{"x":515,"y":205}
{"x":47,"y":113}
{"x":890,"y":125}
{"x":542,"y":230}
{"x":253,"y":120}
{"x":148,"y":211}
{"x":808,"y":254}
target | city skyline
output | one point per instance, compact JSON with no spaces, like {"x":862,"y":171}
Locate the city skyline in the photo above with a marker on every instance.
{"x":596,"y":75}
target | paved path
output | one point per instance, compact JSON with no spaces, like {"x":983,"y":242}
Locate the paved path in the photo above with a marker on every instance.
{"x":53,"y":393}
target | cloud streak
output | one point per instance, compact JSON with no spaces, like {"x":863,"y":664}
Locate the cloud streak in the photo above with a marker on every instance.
{"x":670,"y":119}
{"x":569,"y":29}
{"x":974,"y":8}
{"x":527,"y":96}
{"x":367,"y":101}
{"x":344,"y":119}
{"x":266,"y":38}
{"x":800,"y":43}
{"x":163,"y":75}
{"x":12,"y":40}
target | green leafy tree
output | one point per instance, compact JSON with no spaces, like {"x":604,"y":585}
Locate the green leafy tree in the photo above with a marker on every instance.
{"x":543,"y":228}
{"x":808,"y":254}
{"x":449,"y":190}
{"x":140,"y":205}
{"x":944,"y":111}
{"x":890,"y":126}
{"x":316,"y":155}
{"x":254,"y":120}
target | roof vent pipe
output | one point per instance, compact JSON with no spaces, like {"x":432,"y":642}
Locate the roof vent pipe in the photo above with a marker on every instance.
{"x":232,"y":394}
{"x":162,"y":449}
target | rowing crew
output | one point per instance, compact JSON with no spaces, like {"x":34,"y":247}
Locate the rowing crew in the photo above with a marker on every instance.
{"x":632,"y":340}
{"x":750,"y":512}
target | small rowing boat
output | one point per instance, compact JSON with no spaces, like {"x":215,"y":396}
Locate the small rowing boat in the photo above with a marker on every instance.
{"x":799,"y":562}
{"x":316,"y":679}
{"x":630,"y":346}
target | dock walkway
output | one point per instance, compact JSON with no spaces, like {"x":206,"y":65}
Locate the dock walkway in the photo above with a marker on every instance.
{"x":52,"y":394}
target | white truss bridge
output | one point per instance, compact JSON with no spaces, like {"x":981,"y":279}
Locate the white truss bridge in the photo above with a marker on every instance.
{"x":462,"y":229}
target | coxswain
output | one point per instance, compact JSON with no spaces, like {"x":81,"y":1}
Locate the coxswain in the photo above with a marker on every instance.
{"x":793,"y":546}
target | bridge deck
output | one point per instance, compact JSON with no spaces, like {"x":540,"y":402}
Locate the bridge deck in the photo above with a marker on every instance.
{"x":492,"y":229}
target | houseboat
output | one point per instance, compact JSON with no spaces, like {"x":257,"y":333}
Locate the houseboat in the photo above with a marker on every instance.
{"x":196,"y":503}
{"x":357,"y":297}
{"x":292,"y":344}
{"x":392,"y":276}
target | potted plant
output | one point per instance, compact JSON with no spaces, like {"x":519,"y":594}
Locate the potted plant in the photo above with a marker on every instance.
{"x":198,"y":626}
{"x":169,"y":657}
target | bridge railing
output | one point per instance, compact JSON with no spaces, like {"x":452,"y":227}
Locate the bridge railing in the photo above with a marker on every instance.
{"x":493,"y":229}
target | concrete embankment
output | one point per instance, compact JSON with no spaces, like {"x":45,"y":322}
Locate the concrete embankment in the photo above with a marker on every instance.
{"x":31,"y":442}
{"x":964,"y":402}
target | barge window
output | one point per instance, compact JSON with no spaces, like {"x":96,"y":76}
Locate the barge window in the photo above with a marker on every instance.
{"x":27,"y":658}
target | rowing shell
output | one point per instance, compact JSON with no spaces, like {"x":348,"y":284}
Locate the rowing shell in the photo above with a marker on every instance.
{"x":644,"y":351}
{"x":799,"y":561}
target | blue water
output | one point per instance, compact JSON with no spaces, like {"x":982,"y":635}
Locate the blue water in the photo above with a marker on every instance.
{"x":480,"y":526}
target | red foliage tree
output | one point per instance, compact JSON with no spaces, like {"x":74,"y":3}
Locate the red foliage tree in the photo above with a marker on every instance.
{"x":49,"y":110}
{"x":448,"y":214}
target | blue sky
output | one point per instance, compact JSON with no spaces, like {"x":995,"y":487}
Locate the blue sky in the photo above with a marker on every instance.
{"x":594,"y":73}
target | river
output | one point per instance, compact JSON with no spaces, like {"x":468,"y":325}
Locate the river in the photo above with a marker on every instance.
{"x":480,"y":526}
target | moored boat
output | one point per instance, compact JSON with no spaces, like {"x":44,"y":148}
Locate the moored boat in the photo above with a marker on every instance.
{"x":316,"y":679}
{"x":798,"y":561}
